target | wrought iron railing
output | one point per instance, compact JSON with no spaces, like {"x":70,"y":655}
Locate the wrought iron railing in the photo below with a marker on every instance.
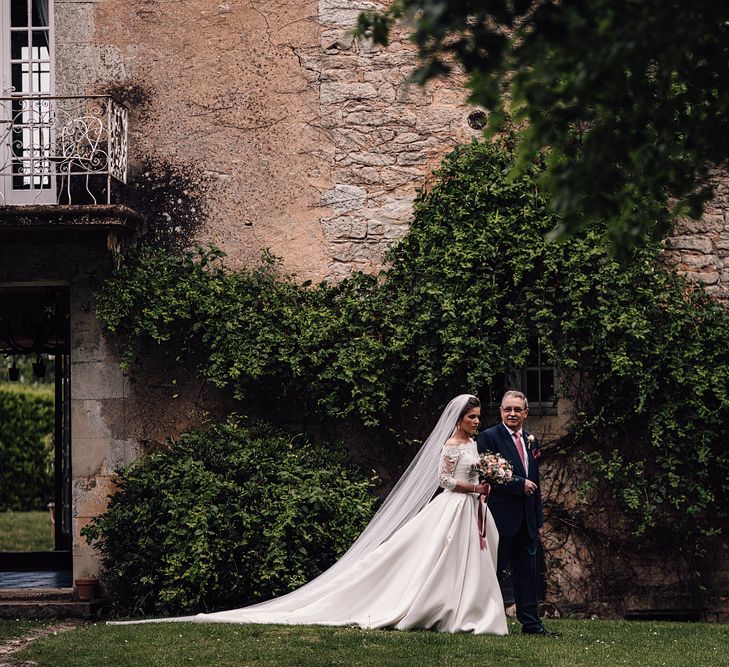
{"x":61,"y":150}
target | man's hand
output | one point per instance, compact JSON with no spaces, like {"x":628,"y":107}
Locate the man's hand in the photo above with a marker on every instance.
{"x":530,"y":488}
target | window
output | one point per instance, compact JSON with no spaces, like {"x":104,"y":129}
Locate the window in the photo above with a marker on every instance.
{"x":26,"y":127}
{"x":538,"y":379}
{"x":539,"y":382}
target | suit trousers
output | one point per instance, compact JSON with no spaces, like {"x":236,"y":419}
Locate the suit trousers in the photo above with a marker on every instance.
{"x":519,"y":554}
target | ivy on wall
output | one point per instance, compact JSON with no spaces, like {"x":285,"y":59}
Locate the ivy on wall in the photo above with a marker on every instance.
{"x":644,"y":355}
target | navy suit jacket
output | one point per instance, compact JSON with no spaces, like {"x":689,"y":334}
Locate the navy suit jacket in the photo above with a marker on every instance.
{"x":508,"y":503}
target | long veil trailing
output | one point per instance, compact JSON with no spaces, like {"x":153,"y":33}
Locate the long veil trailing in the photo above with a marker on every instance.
{"x":412,"y":492}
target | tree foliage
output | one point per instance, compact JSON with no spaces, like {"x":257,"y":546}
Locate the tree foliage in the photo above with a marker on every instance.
{"x":629,"y":100}
{"x":644,"y":356}
{"x":227,"y":517}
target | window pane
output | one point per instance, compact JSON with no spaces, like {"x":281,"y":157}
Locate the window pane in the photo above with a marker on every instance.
{"x":540,"y":379}
{"x":532,"y":388}
{"x":18,"y":78}
{"x":40,"y":13}
{"x":40,"y":45}
{"x":41,"y":78}
{"x":18,"y":13}
{"x":18,"y":45}
{"x":548,"y":385}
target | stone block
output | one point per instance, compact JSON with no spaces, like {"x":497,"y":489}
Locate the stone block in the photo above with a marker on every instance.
{"x":98,"y":380}
{"x":723,"y":241}
{"x":341,"y":40}
{"x":397,"y":209}
{"x":708,"y":278}
{"x":344,"y":228}
{"x":102,"y":457}
{"x":697,"y":244}
{"x":339,"y":270}
{"x":74,"y":23}
{"x":694,"y":262}
{"x":713,"y":220}
{"x":86,"y":565}
{"x":372,"y":159}
{"x":375,"y":228}
{"x":370,"y":252}
{"x":87,"y":421}
{"x":343,"y":198}
{"x":415,"y":157}
{"x":80,"y":546}
{"x":361,"y":175}
{"x":406,"y":138}
{"x":387,"y":92}
{"x":89,"y":456}
{"x":342,"y":252}
{"x":342,"y":12}
{"x":91,"y":495}
{"x":438,"y":119}
{"x":338,"y":92}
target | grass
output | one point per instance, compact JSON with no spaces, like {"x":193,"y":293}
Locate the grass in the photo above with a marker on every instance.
{"x":583,"y":644}
{"x":25,"y":531}
{"x":19,"y":627}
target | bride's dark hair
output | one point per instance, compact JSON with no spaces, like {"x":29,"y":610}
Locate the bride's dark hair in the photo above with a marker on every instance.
{"x":471,"y":403}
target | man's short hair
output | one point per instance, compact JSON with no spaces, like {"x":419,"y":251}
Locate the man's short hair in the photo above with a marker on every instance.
{"x":513,"y":393}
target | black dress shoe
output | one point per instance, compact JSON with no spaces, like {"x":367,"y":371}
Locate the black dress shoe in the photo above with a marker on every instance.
{"x":542,"y":632}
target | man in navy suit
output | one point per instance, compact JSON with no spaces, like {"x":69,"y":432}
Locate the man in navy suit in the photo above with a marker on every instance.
{"x":517,"y":507}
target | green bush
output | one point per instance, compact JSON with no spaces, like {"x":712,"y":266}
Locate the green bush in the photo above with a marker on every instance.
{"x":226,"y":518}
{"x":26,"y":448}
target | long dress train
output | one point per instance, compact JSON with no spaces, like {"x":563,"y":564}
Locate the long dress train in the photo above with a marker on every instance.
{"x":434,"y":573}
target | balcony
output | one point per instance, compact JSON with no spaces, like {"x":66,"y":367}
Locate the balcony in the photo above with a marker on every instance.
{"x":61,"y":150}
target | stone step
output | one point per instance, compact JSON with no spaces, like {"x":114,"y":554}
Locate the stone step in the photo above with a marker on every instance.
{"x":35,"y":594}
{"x":38,"y":608}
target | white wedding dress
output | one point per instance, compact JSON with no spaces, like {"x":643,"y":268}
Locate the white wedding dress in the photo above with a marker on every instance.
{"x":432,"y":573}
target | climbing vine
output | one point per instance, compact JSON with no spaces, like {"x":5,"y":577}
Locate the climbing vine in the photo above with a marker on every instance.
{"x":644,"y":356}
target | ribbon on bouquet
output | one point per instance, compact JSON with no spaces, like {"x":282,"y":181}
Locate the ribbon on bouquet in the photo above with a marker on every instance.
{"x":482,"y":517}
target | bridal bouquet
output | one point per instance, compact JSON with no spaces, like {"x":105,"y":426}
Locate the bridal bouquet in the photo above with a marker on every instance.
{"x":493,"y":468}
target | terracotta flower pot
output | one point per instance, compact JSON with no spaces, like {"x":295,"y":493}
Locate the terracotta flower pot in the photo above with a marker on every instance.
{"x":87,"y":588}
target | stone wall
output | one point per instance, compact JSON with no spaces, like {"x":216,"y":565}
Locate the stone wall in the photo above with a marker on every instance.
{"x":700,"y":248}
{"x":265,"y":125}
{"x":386,"y":136}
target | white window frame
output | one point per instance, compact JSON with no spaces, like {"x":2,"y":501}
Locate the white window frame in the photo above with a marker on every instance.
{"x":44,"y":134}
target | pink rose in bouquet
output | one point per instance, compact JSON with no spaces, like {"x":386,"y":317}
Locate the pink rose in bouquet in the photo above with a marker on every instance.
{"x":493,"y":468}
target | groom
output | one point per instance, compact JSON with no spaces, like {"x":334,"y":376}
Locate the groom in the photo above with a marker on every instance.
{"x":517,"y":508}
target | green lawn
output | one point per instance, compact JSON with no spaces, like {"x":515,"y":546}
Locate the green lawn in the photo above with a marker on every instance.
{"x":584,"y":643}
{"x":25,"y":531}
{"x":18,"y":628}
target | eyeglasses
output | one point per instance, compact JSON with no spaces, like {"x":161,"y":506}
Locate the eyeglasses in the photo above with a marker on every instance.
{"x":518,"y":411}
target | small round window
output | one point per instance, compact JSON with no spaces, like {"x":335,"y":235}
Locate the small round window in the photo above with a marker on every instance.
{"x":477,"y":120}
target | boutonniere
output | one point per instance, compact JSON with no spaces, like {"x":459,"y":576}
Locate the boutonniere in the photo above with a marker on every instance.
{"x":532,"y":441}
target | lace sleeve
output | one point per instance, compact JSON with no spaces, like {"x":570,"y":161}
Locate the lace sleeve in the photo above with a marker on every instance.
{"x":448,"y":459}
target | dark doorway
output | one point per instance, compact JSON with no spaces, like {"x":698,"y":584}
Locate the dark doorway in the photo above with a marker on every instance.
{"x":35,"y":436}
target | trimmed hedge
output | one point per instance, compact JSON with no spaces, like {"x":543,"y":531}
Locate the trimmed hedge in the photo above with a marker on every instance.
{"x":26,"y":447}
{"x":225,"y":518}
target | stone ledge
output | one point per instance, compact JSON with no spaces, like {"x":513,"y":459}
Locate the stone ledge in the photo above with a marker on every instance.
{"x":56,"y":216}
{"x":66,"y":608}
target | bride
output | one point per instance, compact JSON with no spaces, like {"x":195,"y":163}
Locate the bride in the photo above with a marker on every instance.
{"x":417,"y":564}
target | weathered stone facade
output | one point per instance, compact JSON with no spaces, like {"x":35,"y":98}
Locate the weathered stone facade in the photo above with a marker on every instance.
{"x":292,"y":135}
{"x":265,"y":125}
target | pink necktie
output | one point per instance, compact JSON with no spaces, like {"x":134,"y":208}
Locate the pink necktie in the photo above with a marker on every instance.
{"x":520,"y":449}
